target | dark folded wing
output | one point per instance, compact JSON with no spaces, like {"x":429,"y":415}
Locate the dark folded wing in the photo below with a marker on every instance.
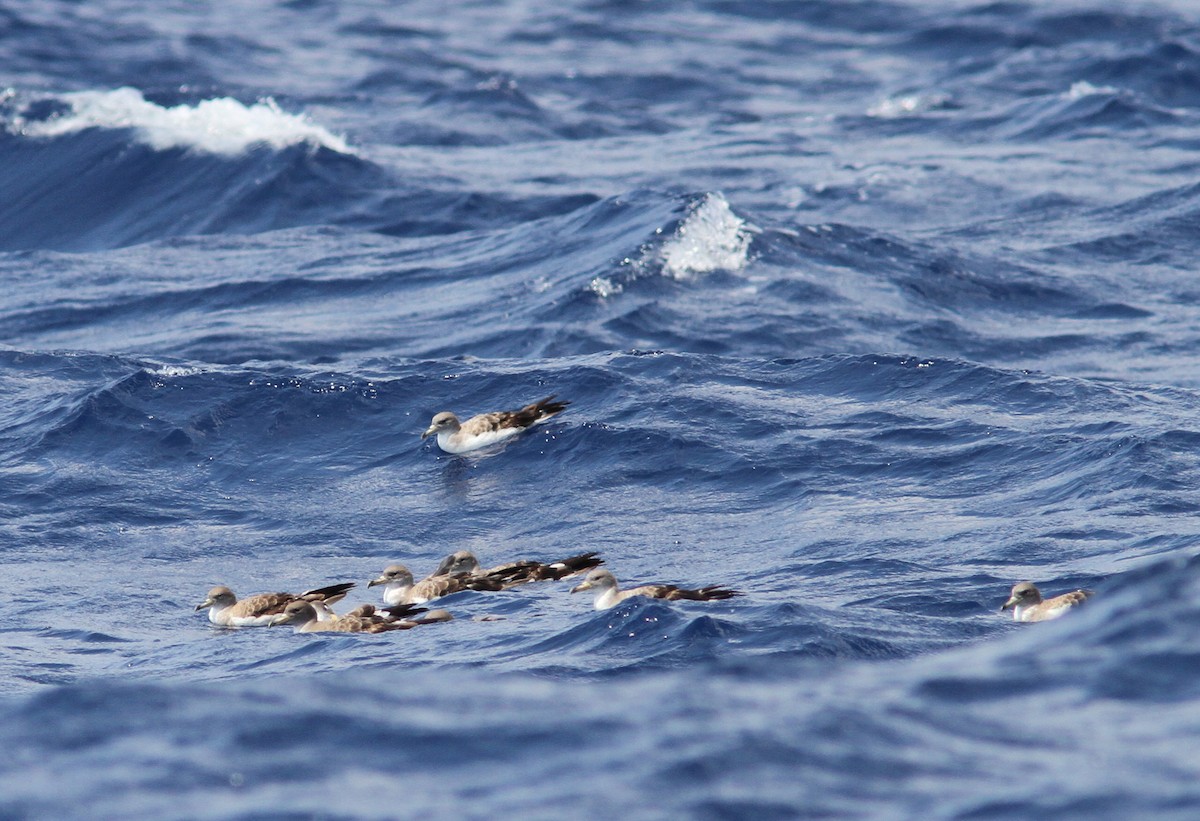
{"x":401,"y":611}
{"x":523,"y":418}
{"x":570,"y":566}
{"x":330,"y":594}
{"x":522,"y":572}
{"x":711,"y":593}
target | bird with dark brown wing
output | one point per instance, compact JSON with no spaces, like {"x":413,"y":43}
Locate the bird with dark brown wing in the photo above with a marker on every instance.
{"x":365,"y":619}
{"x":226,"y":610}
{"x":609,"y":594}
{"x":489,"y":428}
{"x":522,"y":571}
{"x":1027,"y":603}
{"x":399,"y":586}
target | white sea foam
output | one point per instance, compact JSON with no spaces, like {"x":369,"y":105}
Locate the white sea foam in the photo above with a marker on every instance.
{"x":172,"y":370}
{"x":906,"y":105}
{"x":605,"y":287}
{"x":1083,"y":88}
{"x":219,"y":126}
{"x":711,"y":238}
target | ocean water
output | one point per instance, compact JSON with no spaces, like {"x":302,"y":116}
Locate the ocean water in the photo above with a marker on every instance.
{"x":867,"y":309}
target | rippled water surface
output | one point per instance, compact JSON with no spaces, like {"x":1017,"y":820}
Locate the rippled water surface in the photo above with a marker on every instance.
{"x":865,"y":309}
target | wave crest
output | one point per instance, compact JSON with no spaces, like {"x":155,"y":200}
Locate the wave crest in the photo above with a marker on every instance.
{"x":217,"y":126}
{"x":710,"y":238}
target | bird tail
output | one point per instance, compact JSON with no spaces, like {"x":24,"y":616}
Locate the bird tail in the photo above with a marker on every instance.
{"x":573,"y":565}
{"x":711,"y":593}
{"x":527,"y":570}
{"x":330,"y":594}
{"x":402,"y":611}
{"x":547,"y":407}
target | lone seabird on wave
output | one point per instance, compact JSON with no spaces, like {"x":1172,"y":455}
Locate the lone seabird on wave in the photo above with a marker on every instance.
{"x":399,"y":587}
{"x":608,"y":594}
{"x":522,"y":571}
{"x":225,"y":610}
{"x":1027,"y":604}
{"x":489,"y":428}
{"x":364,"y":619}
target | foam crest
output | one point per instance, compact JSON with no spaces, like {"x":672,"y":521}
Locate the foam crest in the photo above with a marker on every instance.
{"x":711,"y":238}
{"x":172,"y":371}
{"x":907,"y":105}
{"x":1083,"y":88}
{"x":218,"y":126}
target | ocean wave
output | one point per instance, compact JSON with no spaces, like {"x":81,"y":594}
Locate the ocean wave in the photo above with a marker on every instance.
{"x":221,"y":126}
{"x":710,"y":238}
{"x":706,"y":237}
{"x":93,"y":190}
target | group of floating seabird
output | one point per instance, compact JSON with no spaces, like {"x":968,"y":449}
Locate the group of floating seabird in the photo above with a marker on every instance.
{"x":365,"y":618}
{"x":311,"y":612}
{"x":461,"y":571}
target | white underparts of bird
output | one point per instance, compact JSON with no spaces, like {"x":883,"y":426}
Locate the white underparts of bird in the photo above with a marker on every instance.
{"x":400,"y":588}
{"x":512,"y":574}
{"x":489,"y":428}
{"x":365,"y":619}
{"x":1027,"y":603}
{"x":609,"y":594}
{"x":226,"y":610}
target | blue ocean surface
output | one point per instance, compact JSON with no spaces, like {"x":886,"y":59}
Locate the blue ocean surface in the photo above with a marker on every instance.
{"x":868,"y":309}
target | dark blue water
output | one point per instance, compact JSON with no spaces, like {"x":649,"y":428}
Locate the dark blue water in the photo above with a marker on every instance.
{"x":867,"y":309}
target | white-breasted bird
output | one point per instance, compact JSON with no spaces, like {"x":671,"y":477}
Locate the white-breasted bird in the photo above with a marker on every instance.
{"x":1027,"y":603}
{"x":399,"y":586}
{"x":226,"y":610}
{"x":609,"y":594}
{"x":489,"y":428}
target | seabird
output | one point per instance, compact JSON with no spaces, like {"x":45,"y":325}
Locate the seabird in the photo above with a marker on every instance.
{"x":400,"y":588}
{"x":489,"y":428}
{"x":367,"y":619}
{"x":225,"y":610}
{"x":608,"y":594}
{"x":1027,"y":604}
{"x":519,"y":572}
